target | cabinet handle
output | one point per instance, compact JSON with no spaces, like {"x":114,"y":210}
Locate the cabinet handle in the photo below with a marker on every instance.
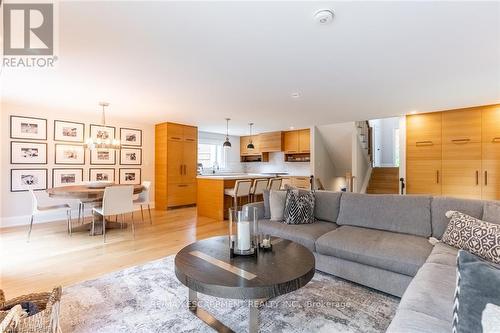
{"x":183,"y":185}
{"x":175,"y":138}
{"x":460,"y":140}
{"x":292,"y":151}
{"x":497,"y":139}
{"x":424,"y":143}
{"x":477,"y":177}
{"x":437,"y":176}
{"x":189,"y":139}
{"x":485,"y":178}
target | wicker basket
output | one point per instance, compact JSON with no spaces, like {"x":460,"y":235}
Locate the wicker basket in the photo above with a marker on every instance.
{"x":45,"y":321}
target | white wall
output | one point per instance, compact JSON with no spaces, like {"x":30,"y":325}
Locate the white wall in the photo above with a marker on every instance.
{"x":361,"y":168}
{"x":322,"y":165}
{"x":384,"y":140}
{"x":233,"y":162}
{"x":15,"y":207}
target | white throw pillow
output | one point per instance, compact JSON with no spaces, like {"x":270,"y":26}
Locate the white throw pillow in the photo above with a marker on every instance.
{"x":277,"y":200}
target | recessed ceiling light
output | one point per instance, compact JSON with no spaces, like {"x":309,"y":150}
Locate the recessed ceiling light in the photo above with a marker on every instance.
{"x":295,"y":94}
{"x":292,"y":127}
{"x":413,"y":112}
{"x":324,"y":16}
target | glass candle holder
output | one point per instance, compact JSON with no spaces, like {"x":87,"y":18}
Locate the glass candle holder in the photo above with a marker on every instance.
{"x":243,"y":232}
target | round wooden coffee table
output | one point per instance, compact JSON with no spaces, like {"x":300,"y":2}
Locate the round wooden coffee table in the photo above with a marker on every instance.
{"x":205,"y":267}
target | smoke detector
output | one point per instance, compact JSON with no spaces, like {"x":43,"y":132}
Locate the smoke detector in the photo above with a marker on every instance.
{"x":324,"y":16}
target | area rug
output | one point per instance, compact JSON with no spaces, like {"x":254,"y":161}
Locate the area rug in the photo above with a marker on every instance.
{"x":149,"y":298}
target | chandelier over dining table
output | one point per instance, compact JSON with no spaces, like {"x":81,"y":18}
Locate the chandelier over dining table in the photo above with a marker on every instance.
{"x":100,"y":143}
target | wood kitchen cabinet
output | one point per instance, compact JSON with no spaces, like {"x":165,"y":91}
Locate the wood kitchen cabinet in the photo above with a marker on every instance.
{"x":304,"y":141}
{"x":244,"y":141}
{"x":297,"y":142}
{"x":271,"y":142}
{"x":291,"y":142}
{"x":176,"y":155}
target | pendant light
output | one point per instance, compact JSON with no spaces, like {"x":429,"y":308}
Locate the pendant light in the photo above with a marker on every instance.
{"x":103,"y":143}
{"x":227,"y":144}
{"x":250,"y":144}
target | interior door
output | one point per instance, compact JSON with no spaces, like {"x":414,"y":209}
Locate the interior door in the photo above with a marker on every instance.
{"x":423,"y":168}
{"x":491,"y":153}
{"x":491,"y":171}
{"x":462,"y":170}
{"x":174,"y":161}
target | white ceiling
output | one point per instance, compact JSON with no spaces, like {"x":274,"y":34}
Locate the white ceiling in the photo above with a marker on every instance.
{"x":199,"y":62}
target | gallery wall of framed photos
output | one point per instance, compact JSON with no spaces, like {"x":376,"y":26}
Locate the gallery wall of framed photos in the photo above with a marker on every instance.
{"x":41,"y":158}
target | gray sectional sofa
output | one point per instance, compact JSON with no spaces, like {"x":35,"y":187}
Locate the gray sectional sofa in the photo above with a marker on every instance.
{"x":382,"y":241}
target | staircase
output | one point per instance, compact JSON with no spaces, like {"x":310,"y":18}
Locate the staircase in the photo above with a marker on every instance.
{"x":384,"y":181}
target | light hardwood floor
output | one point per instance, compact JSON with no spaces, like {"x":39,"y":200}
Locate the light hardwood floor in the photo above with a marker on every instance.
{"x":54,"y":258}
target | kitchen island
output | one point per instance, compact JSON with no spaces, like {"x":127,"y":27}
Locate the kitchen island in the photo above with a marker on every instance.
{"x":211,"y":201}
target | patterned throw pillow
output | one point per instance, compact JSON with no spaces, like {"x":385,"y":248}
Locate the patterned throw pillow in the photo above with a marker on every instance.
{"x":299,"y":207}
{"x":475,"y":298}
{"x":478,"y":237}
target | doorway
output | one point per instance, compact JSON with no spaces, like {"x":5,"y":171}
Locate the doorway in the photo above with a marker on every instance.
{"x":386,"y":138}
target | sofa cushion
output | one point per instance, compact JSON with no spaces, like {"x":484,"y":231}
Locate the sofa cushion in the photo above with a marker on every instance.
{"x":409,"y":321}
{"x":404,"y":214}
{"x":304,"y":234}
{"x":476,"y":236}
{"x":443,"y":254}
{"x":440,"y":205}
{"x":399,"y":253}
{"x":430,"y":295}
{"x":491,"y":212}
{"x":327,"y":205}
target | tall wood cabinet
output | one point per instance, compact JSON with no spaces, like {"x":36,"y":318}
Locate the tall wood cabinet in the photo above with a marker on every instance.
{"x":455,"y":153}
{"x":176,"y":155}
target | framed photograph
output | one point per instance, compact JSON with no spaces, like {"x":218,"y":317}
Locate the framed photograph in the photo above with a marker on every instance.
{"x":28,"y":128}
{"x":131,"y":137}
{"x":102,"y":132}
{"x":130,"y":176}
{"x":131,"y":156}
{"x":102,"y":175}
{"x":102,"y":157}
{"x":28,"y":153}
{"x":70,"y":154}
{"x":25,"y":179}
{"x":66,"y":177}
{"x":69,"y":131}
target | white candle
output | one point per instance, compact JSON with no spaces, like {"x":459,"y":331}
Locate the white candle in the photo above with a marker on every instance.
{"x":243,"y":236}
{"x":266,"y":242}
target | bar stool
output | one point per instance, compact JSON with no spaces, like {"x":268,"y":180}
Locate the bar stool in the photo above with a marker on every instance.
{"x":241,"y":189}
{"x":259,"y":185}
{"x":275,"y":184}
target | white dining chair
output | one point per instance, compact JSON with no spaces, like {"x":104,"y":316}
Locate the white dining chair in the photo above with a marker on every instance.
{"x":117,"y":200}
{"x":241,"y":189}
{"x":259,"y":185}
{"x":37,"y":209}
{"x":144,"y":199}
{"x":275,"y":184}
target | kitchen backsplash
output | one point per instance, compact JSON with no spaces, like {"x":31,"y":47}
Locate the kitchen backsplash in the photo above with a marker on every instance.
{"x":277,"y":164}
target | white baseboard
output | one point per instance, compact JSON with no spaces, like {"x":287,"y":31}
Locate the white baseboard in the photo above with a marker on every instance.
{"x":13,"y":221}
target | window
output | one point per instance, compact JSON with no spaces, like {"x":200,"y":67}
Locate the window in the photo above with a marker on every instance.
{"x":211,"y":154}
